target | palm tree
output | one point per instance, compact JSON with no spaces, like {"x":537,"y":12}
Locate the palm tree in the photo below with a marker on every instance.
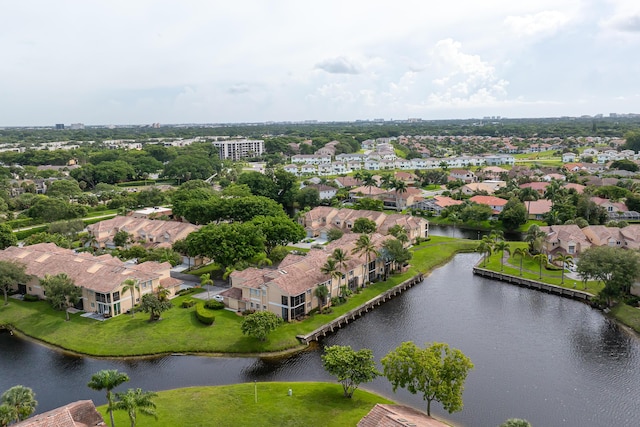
{"x":369,"y":181}
{"x":534,"y":238}
{"x":108,"y":379}
{"x":6,"y":415}
{"x":501,"y":247}
{"x":321,"y":292}
{"x":386,"y":181}
{"x":400,"y":187}
{"x":135,"y":400}
{"x":20,"y":402}
{"x":330,"y":268}
{"x":205,"y":280}
{"x":496,"y":235}
{"x":341,"y":258}
{"x":485,"y":247}
{"x":521,"y":252}
{"x":163,"y":293}
{"x":527,"y":195}
{"x":364,"y":246}
{"x":131,"y":285}
{"x":565,"y":260}
{"x":541,"y":258}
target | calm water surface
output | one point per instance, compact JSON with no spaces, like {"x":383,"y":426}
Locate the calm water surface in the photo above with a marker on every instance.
{"x":553,"y":361}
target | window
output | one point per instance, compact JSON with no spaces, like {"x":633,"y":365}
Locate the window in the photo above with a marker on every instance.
{"x":116,"y":296}
{"x":285,"y":300}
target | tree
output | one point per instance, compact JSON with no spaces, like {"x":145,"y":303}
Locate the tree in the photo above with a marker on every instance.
{"x":334,"y":234}
{"x":11,"y":274}
{"x":514,"y":214}
{"x":400,"y":188}
{"x":206,"y":280}
{"x":226,"y":243}
{"x":399,"y":232}
{"x":485,"y":247}
{"x":121,"y":238}
{"x":364,"y":225}
{"x":260,"y":324}
{"x":364,"y":246}
{"x":501,"y":247}
{"x":565,"y":260}
{"x":369,"y":204}
{"x":135,"y":400}
{"x":437,"y":371}
{"x":321,"y":292}
{"x":278,"y":231}
{"x":131,"y":285}
{"x":369,"y":181}
{"x":7,"y":237}
{"x":6,"y":415}
{"x":350,"y":367}
{"x":394,"y":251}
{"x":330,"y":268}
{"x":61,"y":291}
{"x":617,"y":268}
{"x":535,"y":238}
{"x":19,"y":403}
{"x":187,"y":167}
{"x":341,"y":258}
{"x":108,"y":379}
{"x":632,"y":140}
{"x":527,"y":195}
{"x":520,"y":252}
{"x":155,"y":305}
{"x":63,"y":188}
{"x":308,"y":197}
{"x":542,"y":259}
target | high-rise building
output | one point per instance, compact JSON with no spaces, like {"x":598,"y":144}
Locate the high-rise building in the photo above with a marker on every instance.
{"x":239,"y":148}
{"x":59,"y":126}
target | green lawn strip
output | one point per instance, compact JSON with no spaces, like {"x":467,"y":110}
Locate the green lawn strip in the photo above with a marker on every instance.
{"x":310,"y":404}
{"x":628,"y":315}
{"x":209,"y":268}
{"x":531,"y":271}
{"x":180,"y":332}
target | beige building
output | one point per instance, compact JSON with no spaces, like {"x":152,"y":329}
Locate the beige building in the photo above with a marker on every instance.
{"x":101,"y":278}
{"x":150,"y":233}
{"x":318,"y":221}
{"x":289,"y":291}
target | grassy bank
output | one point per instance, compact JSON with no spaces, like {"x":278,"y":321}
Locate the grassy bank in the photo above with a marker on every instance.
{"x":311,"y":404}
{"x":627,"y":315}
{"x":180,"y":332}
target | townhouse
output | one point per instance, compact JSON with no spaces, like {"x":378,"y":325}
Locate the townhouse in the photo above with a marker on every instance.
{"x":289,"y":291}
{"x":149,"y":233}
{"x":101,"y":278}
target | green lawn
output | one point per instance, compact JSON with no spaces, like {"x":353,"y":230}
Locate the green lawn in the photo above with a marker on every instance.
{"x":628,"y":315}
{"x":311,"y":404}
{"x":531,"y":270}
{"x":180,"y":332}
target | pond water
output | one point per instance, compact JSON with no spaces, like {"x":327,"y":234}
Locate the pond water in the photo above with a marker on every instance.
{"x":553,"y":361}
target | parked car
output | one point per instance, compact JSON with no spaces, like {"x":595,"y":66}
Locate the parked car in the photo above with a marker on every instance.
{"x":218,"y":298}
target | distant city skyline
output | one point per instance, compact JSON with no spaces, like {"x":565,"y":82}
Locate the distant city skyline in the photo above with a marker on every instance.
{"x":170,"y":62}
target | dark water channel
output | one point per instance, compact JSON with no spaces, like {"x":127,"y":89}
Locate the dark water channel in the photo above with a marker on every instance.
{"x":553,"y":361}
{"x":465,"y":233}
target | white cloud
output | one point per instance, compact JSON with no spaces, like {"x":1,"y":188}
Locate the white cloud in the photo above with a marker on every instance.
{"x":339,"y":65}
{"x":543,"y":23}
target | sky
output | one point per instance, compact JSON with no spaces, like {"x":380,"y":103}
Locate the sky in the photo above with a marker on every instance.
{"x":191,"y":61}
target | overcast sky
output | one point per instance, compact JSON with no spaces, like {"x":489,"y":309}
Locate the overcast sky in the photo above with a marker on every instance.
{"x":145,"y":61}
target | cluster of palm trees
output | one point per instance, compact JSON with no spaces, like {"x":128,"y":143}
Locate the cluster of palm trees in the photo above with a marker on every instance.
{"x":387,"y":181}
{"x":494,"y":243}
{"x":132,"y":401}
{"x":336,"y":264}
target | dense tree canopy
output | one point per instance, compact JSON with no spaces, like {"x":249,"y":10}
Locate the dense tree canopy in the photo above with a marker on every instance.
{"x":11,"y":274}
{"x":260,"y":324}
{"x":61,"y":291}
{"x":350,"y":367}
{"x":227,"y":244}
{"x":437,"y":372}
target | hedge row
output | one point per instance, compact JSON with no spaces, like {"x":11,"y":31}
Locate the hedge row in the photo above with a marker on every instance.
{"x":204,"y":315}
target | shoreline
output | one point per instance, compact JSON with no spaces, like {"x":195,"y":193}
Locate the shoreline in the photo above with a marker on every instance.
{"x":264,"y":355}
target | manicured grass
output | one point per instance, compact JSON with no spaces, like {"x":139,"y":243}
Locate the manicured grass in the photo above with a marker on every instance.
{"x":209,"y":268}
{"x":628,"y":315}
{"x":531,"y":270}
{"x":180,"y":332}
{"x":311,"y":404}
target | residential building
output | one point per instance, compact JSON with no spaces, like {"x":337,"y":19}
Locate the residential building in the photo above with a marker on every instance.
{"x":82,"y":413}
{"x":384,"y":415}
{"x":289,"y":291}
{"x":239,"y":148}
{"x":538,"y":208}
{"x":463,"y":175}
{"x":436,"y":205}
{"x":100,"y":277}
{"x":495,"y":203}
{"x":148,"y":232}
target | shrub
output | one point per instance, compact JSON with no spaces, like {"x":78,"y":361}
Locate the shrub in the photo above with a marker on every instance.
{"x":248,"y":312}
{"x":214,"y":305}
{"x":186,"y":291}
{"x":188,"y":303}
{"x":30,"y":298}
{"x":203,"y":315}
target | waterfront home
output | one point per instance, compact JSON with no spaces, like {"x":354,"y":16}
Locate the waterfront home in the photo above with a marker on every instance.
{"x":538,"y":208}
{"x":495,"y":203}
{"x":289,"y":291}
{"x":436,"y":204}
{"x":568,"y":239}
{"x":82,"y":413}
{"x":101,"y":278}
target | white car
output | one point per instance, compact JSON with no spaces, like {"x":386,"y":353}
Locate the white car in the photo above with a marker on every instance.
{"x":218,"y":298}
